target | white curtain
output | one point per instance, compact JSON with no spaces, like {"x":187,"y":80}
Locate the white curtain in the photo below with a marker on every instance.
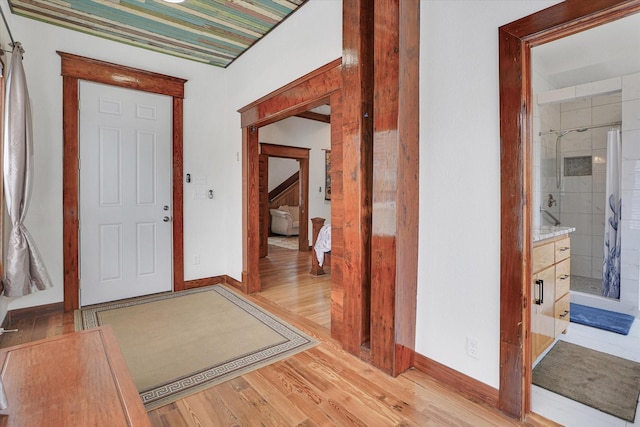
{"x":612,"y":223}
{"x":24,"y":271}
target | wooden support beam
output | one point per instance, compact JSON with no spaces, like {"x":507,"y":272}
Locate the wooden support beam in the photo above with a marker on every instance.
{"x":357,"y":163}
{"x":324,"y":118}
{"x":394,"y":242}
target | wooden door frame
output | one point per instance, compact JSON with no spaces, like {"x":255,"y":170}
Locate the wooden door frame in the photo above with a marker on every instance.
{"x":73,"y":69}
{"x":516,"y":106}
{"x":302,"y":156}
{"x":307,"y":92}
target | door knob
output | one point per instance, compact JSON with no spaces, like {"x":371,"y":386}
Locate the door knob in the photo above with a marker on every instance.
{"x":166,"y":219}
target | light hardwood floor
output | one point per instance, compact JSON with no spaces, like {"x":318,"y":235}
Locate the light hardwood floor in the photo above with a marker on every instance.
{"x":323,"y":386}
{"x":286,"y":281}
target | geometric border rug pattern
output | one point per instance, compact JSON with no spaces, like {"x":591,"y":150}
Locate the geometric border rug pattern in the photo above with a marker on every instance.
{"x":289,"y":340}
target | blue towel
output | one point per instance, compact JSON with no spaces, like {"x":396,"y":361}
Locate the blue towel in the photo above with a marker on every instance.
{"x":601,"y":319}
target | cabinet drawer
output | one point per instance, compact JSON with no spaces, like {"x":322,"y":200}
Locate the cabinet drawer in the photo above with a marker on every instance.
{"x":562,"y":314}
{"x":563,"y":249}
{"x":543,"y":257}
{"x":563,"y":277}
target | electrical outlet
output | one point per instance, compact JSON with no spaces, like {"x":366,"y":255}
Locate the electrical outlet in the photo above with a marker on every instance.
{"x":473,"y":348}
{"x":196,"y":259}
{"x":199,"y":195}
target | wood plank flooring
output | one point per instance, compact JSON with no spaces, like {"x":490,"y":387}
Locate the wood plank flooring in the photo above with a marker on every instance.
{"x":323,"y":386}
{"x":287,"y":282}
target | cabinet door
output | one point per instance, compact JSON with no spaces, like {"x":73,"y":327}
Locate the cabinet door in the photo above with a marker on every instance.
{"x":542,"y":310}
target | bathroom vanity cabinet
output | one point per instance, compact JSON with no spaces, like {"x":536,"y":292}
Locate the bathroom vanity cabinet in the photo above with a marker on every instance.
{"x":551,"y":268}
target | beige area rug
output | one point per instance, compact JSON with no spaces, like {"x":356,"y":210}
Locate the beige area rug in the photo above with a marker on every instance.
{"x":604,"y":382}
{"x":284,"y":242}
{"x":179,"y":344}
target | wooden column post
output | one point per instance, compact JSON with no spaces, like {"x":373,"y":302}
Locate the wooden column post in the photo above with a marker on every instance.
{"x":250,"y":215}
{"x":357,"y":125}
{"x":394,"y":243}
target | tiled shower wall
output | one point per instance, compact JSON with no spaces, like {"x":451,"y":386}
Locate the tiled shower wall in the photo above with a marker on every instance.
{"x":549,"y":119}
{"x":630,"y":285}
{"x":582,"y":198}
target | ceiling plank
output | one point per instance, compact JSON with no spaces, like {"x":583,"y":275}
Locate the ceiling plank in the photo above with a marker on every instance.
{"x":210,"y":32}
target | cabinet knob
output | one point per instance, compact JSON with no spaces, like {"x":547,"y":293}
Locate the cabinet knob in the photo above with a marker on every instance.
{"x":564,"y":277}
{"x":564,"y":314}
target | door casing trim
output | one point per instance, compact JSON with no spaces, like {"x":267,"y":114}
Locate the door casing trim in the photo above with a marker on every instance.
{"x":301,"y":155}
{"x":516,"y":39}
{"x":73,"y":69}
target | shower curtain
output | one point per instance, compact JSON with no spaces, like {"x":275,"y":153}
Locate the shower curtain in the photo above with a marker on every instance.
{"x":612,"y":223}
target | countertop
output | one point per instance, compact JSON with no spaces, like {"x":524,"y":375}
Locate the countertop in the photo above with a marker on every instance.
{"x":549,"y":231}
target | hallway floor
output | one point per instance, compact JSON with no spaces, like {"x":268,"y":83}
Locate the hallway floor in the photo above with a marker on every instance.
{"x":573,"y":414}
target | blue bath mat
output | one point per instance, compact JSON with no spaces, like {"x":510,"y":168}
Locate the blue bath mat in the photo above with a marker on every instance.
{"x":601,"y":319}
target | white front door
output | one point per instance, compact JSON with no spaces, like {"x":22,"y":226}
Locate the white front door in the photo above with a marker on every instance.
{"x":125,"y":193}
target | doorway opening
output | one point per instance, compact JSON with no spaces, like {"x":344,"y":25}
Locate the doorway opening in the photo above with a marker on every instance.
{"x":516,"y":41}
{"x":320,"y":87}
{"x":288,"y":211}
{"x":286,"y":263}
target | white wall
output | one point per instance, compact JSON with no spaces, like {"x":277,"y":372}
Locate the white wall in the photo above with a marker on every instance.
{"x":459,"y":248}
{"x":280,"y":169}
{"x":298,"y":132}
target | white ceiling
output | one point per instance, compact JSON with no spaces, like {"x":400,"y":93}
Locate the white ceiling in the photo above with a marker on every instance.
{"x":607,"y":51}
{"x":323,"y":109}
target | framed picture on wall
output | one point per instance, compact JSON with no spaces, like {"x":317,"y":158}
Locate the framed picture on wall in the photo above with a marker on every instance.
{"x":327,"y":175}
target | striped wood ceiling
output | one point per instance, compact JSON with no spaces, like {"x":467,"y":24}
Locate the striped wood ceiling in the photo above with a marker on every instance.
{"x":211,"y":31}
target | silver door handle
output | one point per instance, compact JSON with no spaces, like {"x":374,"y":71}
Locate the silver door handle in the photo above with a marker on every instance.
{"x":166,"y":219}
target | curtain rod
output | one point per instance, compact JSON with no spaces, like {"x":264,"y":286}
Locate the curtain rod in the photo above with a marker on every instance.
{"x":6,"y":24}
{"x":580,"y":128}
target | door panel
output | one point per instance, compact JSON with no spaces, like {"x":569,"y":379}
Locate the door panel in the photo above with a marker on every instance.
{"x":125,"y":193}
